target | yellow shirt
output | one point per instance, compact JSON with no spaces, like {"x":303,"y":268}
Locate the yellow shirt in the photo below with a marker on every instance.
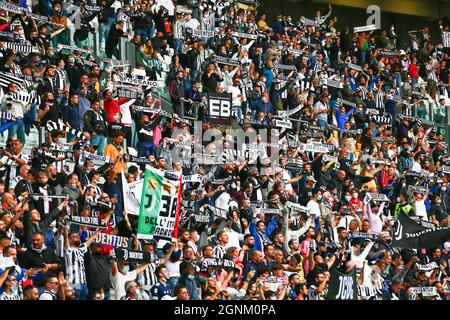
{"x":262,"y":25}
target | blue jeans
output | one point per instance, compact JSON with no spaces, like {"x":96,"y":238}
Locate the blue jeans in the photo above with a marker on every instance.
{"x":104,"y":30}
{"x":100,"y":142}
{"x":178,"y":45}
{"x":146,"y":149}
{"x":237,"y":112}
{"x":362,"y":58}
{"x":134,"y":137}
{"x":81,"y":291}
{"x":322,"y":123}
{"x":398,"y":79}
{"x":195,"y":75}
{"x":17,"y":129}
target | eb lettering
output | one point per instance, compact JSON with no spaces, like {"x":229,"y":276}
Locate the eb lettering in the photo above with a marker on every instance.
{"x":219,"y":108}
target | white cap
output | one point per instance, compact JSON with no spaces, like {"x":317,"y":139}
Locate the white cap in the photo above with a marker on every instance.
{"x":447,"y":245}
{"x":278,"y":170}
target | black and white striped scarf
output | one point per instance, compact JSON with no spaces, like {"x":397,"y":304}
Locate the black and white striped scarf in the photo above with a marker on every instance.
{"x":7,"y":78}
{"x":381,"y":119}
{"x":51,"y":126}
{"x":26,"y":98}
{"x":20,"y":47}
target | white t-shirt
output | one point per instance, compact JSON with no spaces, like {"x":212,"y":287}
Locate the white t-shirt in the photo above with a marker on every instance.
{"x":345,"y":221}
{"x":233,"y":238}
{"x":314,"y":207}
{"x":118,"y":283}
{"x":421,"y":210}
{"x":46,"y":296}
{"x":193,"y":24}
{"x":235,"y":95}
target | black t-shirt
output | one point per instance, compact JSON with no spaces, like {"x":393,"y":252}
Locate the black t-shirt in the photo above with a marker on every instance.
{"x":113,"y":37}
{"x":52,"y":115}
{"x":114,"y":128}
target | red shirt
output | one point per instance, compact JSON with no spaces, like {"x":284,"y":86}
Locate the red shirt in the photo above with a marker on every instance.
{"x":413,"y":70}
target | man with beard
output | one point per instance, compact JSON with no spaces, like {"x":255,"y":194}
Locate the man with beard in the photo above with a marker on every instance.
{"x":38,"y":256}
{"x":244,"y":254}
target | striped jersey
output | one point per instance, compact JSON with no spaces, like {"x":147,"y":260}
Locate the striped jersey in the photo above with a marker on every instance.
{"x":61,"y":79}
{"x":13,"y":166}
{"x":147,"y":279}
{"x":75,"y":270}
{"x":179,"y":30}
{"x":59,"y":165}
{"x":431,"y":72}
{"x":379,"y":98}
{"x":219,"y":251}
{"x":364,"y":92}
{"x":5,"y":296}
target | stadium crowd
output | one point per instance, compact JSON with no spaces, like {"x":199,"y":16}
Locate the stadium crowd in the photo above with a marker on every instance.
{"x":356,"y":151}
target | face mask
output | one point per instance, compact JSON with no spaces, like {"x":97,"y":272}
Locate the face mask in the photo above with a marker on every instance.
{"x":14,"y":289}
{"x":191,"y":277}
{"x":102,"y":296}
{"x":388,"y":241}
{"x":319,"y":198}
{"x":74,"y":185}
{"x":348,"y":198}
{"x":71,"y":60}
{"x":355,"y":195}
{"x":54,"y":291}
{"x":126,"y":269}
{"x":444,"y":188}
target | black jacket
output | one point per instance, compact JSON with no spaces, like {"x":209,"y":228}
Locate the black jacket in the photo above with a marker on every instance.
{"x":32,"y":259}
{"x":95,"y":123}
{"x":98,"y":271}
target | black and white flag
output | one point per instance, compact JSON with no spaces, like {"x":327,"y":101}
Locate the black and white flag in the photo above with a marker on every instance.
{"x":411,"y":235}
{"x":342,"y":286}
